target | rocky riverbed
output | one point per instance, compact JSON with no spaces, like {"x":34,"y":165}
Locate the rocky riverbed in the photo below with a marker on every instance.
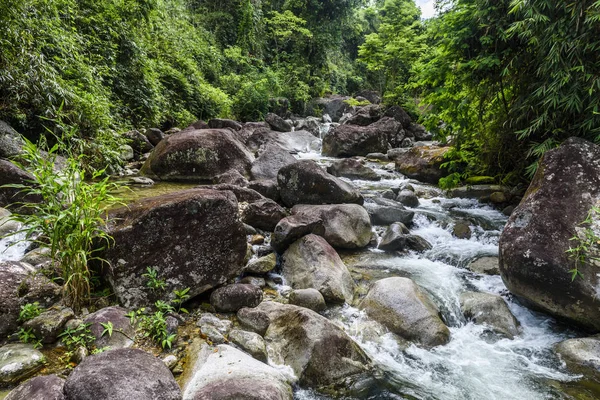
{"x":311,"y":276}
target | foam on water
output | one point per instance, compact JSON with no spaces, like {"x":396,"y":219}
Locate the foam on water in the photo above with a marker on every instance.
{"x":13,"y":247}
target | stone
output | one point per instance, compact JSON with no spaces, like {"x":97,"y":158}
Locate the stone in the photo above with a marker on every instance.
{"x":490,"y":310}
{"x":11,"y":143}
{"x":485,"y":266}
{"x":262,"y":265}
{"x":304,"y":182}
{"x":394,"y":237}
{"x":498,"y":198}
{"x":231,"y":177}
{"x":308,"y":298}
{"x":249,"y":128}
{"x":386,"y":212}
{"x":476,"y":191}
{"x":462,"y":229}
{"x":7,"y":224}
{"x":353,"y":140}
{"x":250,"y":342}
{"x":311,"y":262}
{"x":366,"y":115}
{"x":405,"y":309}
{"x":396,"y":153}
{"x":197,"y":156}
{"x":214,"y":328}
{"x":399,"y":115}
{"x":352,"y":168}
{"x":18,"y":362}
{"x":534,"y":262}
{"x":270,"y":161}
{"x":263,"y":214}
{"x":292,"y":228}
{"x":293,"y":142}
{"x":267,"y":188}
{"x":377,"y":157}
{"x":126,"y":374}
{"x":334,"y":107}
{"x":423,"y":163}
{"x":582,"y":355}
{"x":126,"y":152}
{"x":155,"y":136}
{"x":226,"y":373}
{"x":408,"y":198}
{"x":241,"y":194}
{"x":38,"y":257}
{"x":277,"y":123}
{"x":418,"y":132}
{"x":417,"y":243}
{"x":20,"y":284}
{"x":220,"y":123}
{"x":49,"y":324}
{"x":311,"y":124}
{"x":254,"y":280}
{"x":47,"y":387}
{"x":170,"y":361}
{"x":10,"y":198}
{"x":174,"y":234}
{"x":317,"y":350}
{"x":233,"y":297}
{"x":123,"y":332}
{"x":254,"y":320}
{"x":371,"y":95}
{"x":138,"y":142}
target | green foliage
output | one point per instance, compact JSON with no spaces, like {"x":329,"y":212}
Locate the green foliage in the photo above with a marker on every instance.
{"x":154,"y":282}
{"x":27,"y":336}
{"x":80,"y":336}
{"x":154,"y":325}
{"x":69,"y":217}
{"x":180,"y":297}
{"x":108,"y":328}
{"x":30,"y":311}
{"x":356,"y":103}
{"x":586,"y":246}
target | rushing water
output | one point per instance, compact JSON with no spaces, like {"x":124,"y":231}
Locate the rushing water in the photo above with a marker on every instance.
{"x":474,"y":364}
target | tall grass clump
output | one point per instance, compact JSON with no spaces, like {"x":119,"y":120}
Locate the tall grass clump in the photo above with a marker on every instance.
{"x":70,"y":214}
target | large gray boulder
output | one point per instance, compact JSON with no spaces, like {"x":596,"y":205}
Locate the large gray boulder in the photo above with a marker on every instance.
{"x":582,"y":355}
{"x":18,"y":362}
{"x":490,"y":310}
{"x":423,"y":163}
{"x":405,"y":309}
{"x":175,"y":235}
{"x":197,"y":156}
{"x":366,"y":115}
{"x":225,"y":373}
{"x":263,"y":214}
{"x":385,"y":212}
{"x":352,"y":168}
{"x":354,"y":140}
{"x":270,"y":161}
{"x":122,"y":374}
{"x":534,"y":260}
{"x":292,"y":228}
{"x":312,"y":263}
{"x":318,"y":351}
{"x":304,"y":182}
{"x":347,"y":226}
{"x":335,"y":106}
{"x":293,"y":142}
{"x":47,"y":387}
{"x":11,"y":143}
{"x":277,"y":123}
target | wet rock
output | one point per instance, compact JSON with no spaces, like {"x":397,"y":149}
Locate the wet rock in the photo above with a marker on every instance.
{"x":138,"y":142}
{"x":304,"y":182}
{"x":267,"y":188}
{"x":417,"y":243}
{"x":386,"y":212}
{"x":270,"y":161}
{"x":231,"y":177}
{"x":262,"y":265}
{"x":353,"y":140}
{"x":254,"y":320}
{"x":399,"y":115}
{"x":197,"y":156}
{"x":534,"y":262}
{"x":377,"y":157}
{"x":352,"y":168}
{"x":423,"y":163}
{"x":485,"y":266}
{"x":396,"y":153}
{"x":174,"y":234}
{"x":334,"y":107}
{"x":48,"y":387}
{"x":214,"y":328}
{"x":126,"y":152}
{"x":408,"y":198}
{"x":582,"y":355}
{"x":219,"y":123}
{"x":476,"y":191}
{"x":312,"y":263}
{"x":233,"y":297}
{"x":140,"y":181}
{"x":11,"y":143}
{"x":394,"y":238}
{"x":508,"y":210}
{"x":406,"y":309}
{"x":498,"y":198}
{"x":123,"y":331}
{"x":462,"y":230}
{"x":241,"y":194}
{"x":347,"y":226}
{"x":127,"y":374}
{"x":366,"y":115}
{"x":490,"y":310}
{"x":250,"y":342}
{"x":10,"y":197}
{"x":318,"y":351}
{"x":293,"y":142}
{"x":311,"y":124}
{"x":263,"y":214}
{"x":19,"y":285}
{"x":225,"y":373}
{"x":7,"y":225}
{"x":18,"y":362}
{"x":277,"y":123}
{"x":155,"y":136}
{"x":49,"y":324}
{"x":308,"y":298}
{"x":292,"y":228}
{"x":254,"y":280}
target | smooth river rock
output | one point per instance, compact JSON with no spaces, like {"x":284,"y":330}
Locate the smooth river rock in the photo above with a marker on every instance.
{"x":46,"y":387}
{"x":490,"y":310}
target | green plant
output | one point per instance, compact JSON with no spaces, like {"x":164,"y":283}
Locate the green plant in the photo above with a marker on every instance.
{"x":80,"y":336}
{"x":30,"y":311}
{"x":352,"y":102}
{"x":180,"y":297}
{"x":154,"y":282}
{"x":65,"y":213}
{"x":153,"y":325}
{"x":27,"y":336}
{"x":587,"y":244}
{"x":108,"y":328}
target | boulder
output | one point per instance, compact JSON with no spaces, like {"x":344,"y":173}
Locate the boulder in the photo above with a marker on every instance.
{"x":123,"y":331}
{"x":121,"y":374}
{"x":254,"y":280}
{"x":266,"y":187}
{"x":270,"y":161}
{"x":277,"y":123}
{"x":311,"y":124}
{"x":219,"y":123}
{"x":304,"y":182}
{"x":535,"y":264}
{"x":175,"y":235}
{"x":292,"y":228}
{"x":317,"y":350}
{"x":462,"y":229}
{"x":225,"y":373}
{"x":18,"y":362}
{"x":352,"y":168}
{"x":254,"y":320}
{"x":200,"y":124}
{"x":155,"y":136}
{"x":262,"y":265}
{"x":312,"y":263}
{"x":477,"y":191}
{"x":386,"y":212}
{"x":214,"y":328}
{"x":417,"y":243}
{"x":347,"y":226}
{"x":334,"y":106}
{"x":138,"y":142}
{"x":308,"y":298}
{"x":10,"y":198}
{"x":405,"y":309}
{"x":250,"y":342}
{"x":418,"y":132}
{"x":423,"y":163}
{"x":7,"y":224}
{"x":233,"y":297}
{"x":399,"y":115}
{"x":353,"y":140}
{"x":197,"y":156}
{"x":231,"y":177}
{"x":485,"y":266}
{"x":11,"y":143}
{"x":263,"y":214}
{"x":249,"y":128}
{"x":366,"y":115}
{"x":241,"y":194}
{"x":49,"y":324}
{"x":582,"y":355}
{"x":394,"y":237}
{"x":490,"y":310}
{"x":293,"y":142}
{"x":371,"y":95}
{"x":408,"y":198}
{"x":47,"y":387}
{"x":19,"y":285}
